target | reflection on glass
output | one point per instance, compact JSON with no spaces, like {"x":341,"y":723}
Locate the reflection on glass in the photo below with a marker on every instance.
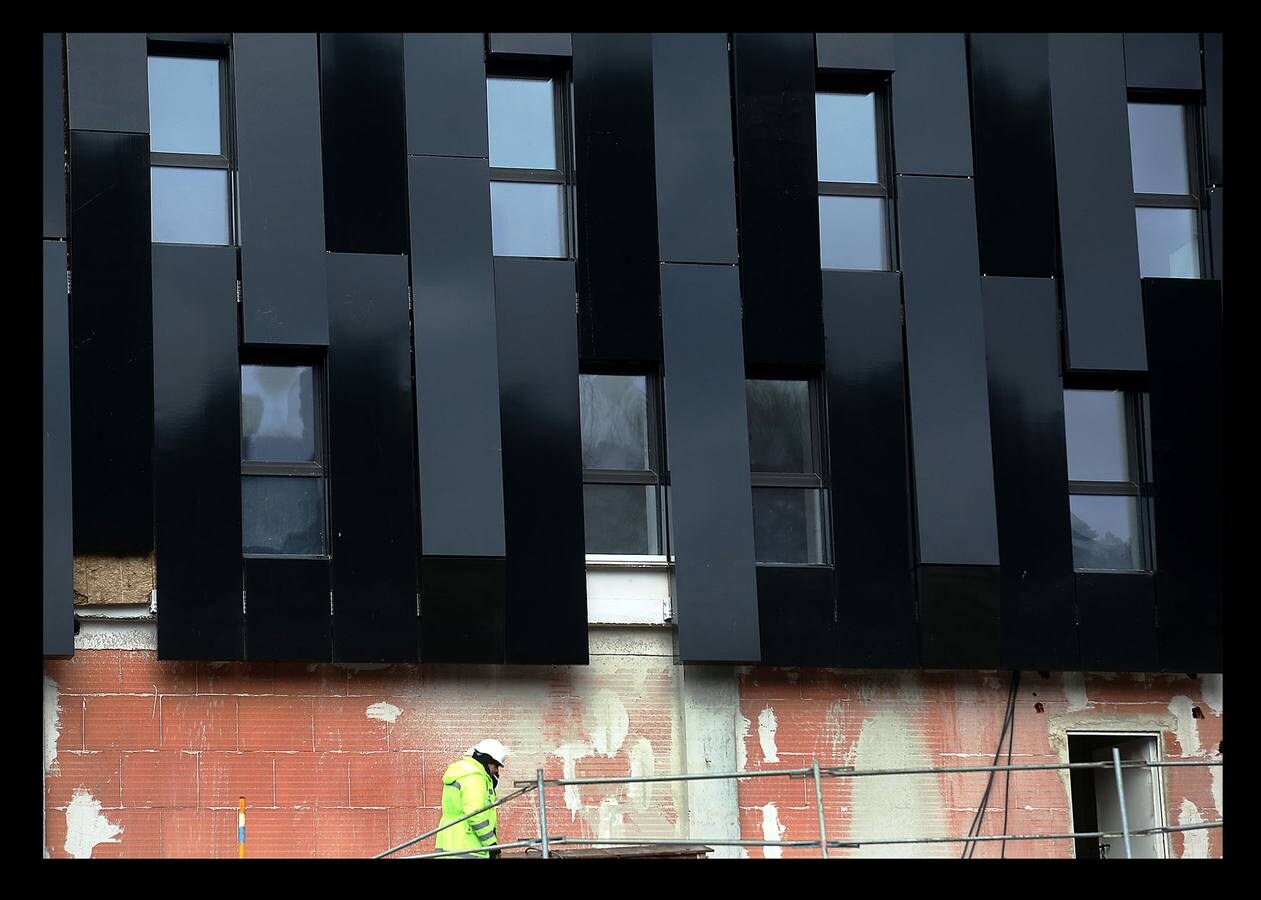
{"x":614,"y":421}
{"x":845,"y":137}
{"x":282,"y":514}
{"x":1158,"y":148}
{"x":521,"y":118}
{"x":189,"y":206}
{"x":621,"y":519}
{"x":1105,"y":533}
{"x":1096,"y":436}
{"x":779,"y":426}
{"x":184,"y":105}
{"x":1168,"y":243}
{"x":788,"y":525}
{"x":527,"y":219}
{"x":278,"y":413}
{"x":852,"y":233}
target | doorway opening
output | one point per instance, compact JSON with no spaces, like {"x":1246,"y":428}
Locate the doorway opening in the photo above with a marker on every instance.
{"x":1096,"y":805}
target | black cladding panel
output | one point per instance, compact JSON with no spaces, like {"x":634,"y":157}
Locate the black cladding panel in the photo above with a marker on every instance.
{"x":58,"y":507}
{"x":1213,"y":76}
{"x":932,"y":134}
{"x":446,"y":94}
{"x":108,"y":76}
{"x":797,"y":615}
{"x":54,"y":140}
{"x":1216,"y":197}
{"x":959,"y":616}
{"x":462,"y":610}
{"x":521,"y":43}
{"x":855,"y":51}
{"x":1117,"y":629}
{"x":1169,"y":61}
{"x":287,"y":617}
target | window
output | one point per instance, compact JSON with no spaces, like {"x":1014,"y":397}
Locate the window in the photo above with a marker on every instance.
{"x":621,"y":464}
{"x":1097,"y":806}
{"x":189,"y":147}
{"x":1108,"y":493}
{"x":529,"y":200}
{"x":1165,"y":160}
{"x":789,"y":496}
{"x":283,"y":496}
{"x":853,"y":180}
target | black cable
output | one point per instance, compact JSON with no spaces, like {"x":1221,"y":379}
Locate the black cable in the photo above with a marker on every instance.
{"x":1011,"y":740}
{"x":969,"y":849}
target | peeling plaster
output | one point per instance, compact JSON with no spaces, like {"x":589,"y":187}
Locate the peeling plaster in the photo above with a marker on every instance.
{"x":866,"y":687}
{"x":772,"y":830}
{"x":766,"y":727}
{"x":570,"y":754}
{"x":611,"y":722}
{"x":834,"y":725}
{"x":742,"y":753}
{"x":86,"y":827}
{"x":1215,"y":773}
{"x":1211,"y":691}
{"x":52,"y":725}
{"x":895,"y":807}
{"x":384,"y":712}
{"x":1187,"y":731}
{"x":612,"y":821}
{"x":642,"y":764}
{"x":116,"y":635}
{"x":910,"y":687}
{"x":1074,"y":685}
{"x":1194,"y":843}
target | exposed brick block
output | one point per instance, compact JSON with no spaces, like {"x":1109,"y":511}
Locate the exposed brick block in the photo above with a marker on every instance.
{"x":98,"y":772}
{"x":386,"y":779}
{"x":159,"y":778}
{"x":311,"y":680}
{"x":355,"y":833}
{"x":69,"y":722}
{"x":142,"y":673}
{"x":279,"y":833}
{"x":407,"y":823}
{"x":120,"y":723}
{"x":380,"y":682}
{"x":199,"y":833}
{"x":141,"y":837}
{"x":234,"y":677}
{"x":274,"y":723}
{"x":226,"y":777}
{"x":343,"y":724}
{"x":312,"y":779}
{"x":198,"y":723}
{"x":87,"y":672}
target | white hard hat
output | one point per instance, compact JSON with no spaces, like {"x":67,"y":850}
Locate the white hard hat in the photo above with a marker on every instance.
{"x":492,"y":748}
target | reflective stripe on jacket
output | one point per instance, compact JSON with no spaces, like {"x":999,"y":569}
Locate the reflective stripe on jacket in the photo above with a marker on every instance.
{"x":466,"y":787}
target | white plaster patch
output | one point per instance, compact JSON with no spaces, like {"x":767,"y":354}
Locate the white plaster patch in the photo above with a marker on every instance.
{"x":611,"y":722}
{"x":742,"y":753}
{"x":766,"y":727}
{"x":1194,"y":843}
{"x":642,"y":765}
{"x":86,"y":827}
{"x":52,"y":725}
{"x":895,"y":807}
{"x":1211,"y":691}
{"x":833,"y":723}
{"x":570,"y":754}
{"x":385,"y":712}
{"x":612,"y":822}
{"x":1074,"y":686}
{"x":772,"y":830}
{"x":1188,"y":731}
{"x":1215,"y":773}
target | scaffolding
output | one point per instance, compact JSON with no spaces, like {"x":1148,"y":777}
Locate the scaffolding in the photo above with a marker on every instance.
{"x":544,"y":841}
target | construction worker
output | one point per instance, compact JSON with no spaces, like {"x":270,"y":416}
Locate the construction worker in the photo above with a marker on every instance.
{"x":467,"y":786}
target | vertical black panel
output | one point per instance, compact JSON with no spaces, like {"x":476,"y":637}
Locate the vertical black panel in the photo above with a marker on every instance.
{"x":778,"y":197}
{"x":932,"y":134}
{"x":551,"y":43}
{"x":1103,"y":312}
{"x":111,"y":333}
{"x":1118,"y":622}
{"x":462,"y":610}
{"x":546,"y":618}
{"x":1216,"y":197}
{"x":871,"y":516}
{"x":1026,"y":393}
{"x":363,"y":124}
{"x":707,"y":439}
{"x":372,"y":515}
{"x":54,"y":137}
{"x":856,"y":51}
{"x":197,"y":453}
{"x":282,"y":202}
{"x":797,"y":615}
{"x":618,"y":314}
{"x":1015,"y":164}
{"x":58,"y":544}
{"x":446,"y":94}
{"x":945,"y":356}
{"x":287,"y":615}
{"x":959,"y":616}
{"x":457,"y":369}
{"x":1213,"y":104}
{"x":696,"y":189}
{"x":108,"y":75}
{"x":1184,"y":347}
{"x":1163,"y":61}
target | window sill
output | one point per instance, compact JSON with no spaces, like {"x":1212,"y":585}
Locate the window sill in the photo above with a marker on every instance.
{"x":617,"y":560}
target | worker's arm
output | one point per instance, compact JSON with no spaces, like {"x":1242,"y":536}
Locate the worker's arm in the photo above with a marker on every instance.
{"x":474,"y":795}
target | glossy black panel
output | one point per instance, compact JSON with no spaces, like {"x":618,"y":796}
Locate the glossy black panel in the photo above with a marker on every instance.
{"x":855,"y":51}
{"x":1015,"y":164}
{"x":213,"y":38}
{"x":931,"y":130}
{"x":1216,"y":197}
{"x":555,"y":43}
{"x":111,"y":334}
{"x":871,"y":513}
{"x":58,"y":543}
{"x":108,"y":76}
{"x":618,"y":315}
{"x":1026,"y":394}
{"x":1103,"y":313}
{"x":945,"y":357}
{"x":1213,"y":105}
{"x":363,"y":123}
{"x":958,"y":616}
{"x":778,"y":198}
{"x":197,"y":453}
{"x":707,"y":440}
{"x":1164,"y":61}
{"x":286,"y":603}
{"x":54,"y":140}
{"x":546,"y":617}
{"x":372,"y":498}
{"x":696,"y":189}
{"x":457,"y":369}
{"x":462,"y":610}
{"x":797,"y":614}
{"x":1117,"y":629}
{"x":276,"y":79}
{"x":446,"y":94}
{"x":1184,"y":347}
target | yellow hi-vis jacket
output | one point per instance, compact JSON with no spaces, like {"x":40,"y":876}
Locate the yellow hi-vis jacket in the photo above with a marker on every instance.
{"x":466,"y":787}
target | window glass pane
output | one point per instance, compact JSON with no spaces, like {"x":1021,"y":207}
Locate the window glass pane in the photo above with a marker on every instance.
{"x":521,"y":119}
{"x":845,"y":137}
{"x":852,"y":233}
{"x":184,"y":105}
{"x":779,"y":426}
{"x":190,"y":206}
{"x":1105,"y":532}
{"x":527,"y":219}
{"x":1096,"y":435}
{"x":788,"y":525}
{"x":278,"y":413}
{"x":1158,"y":148}
{"x":282,"y":514}
{"x":614,"y":421}
{"x":621,"y":518}
{"x":1168,"y":243}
